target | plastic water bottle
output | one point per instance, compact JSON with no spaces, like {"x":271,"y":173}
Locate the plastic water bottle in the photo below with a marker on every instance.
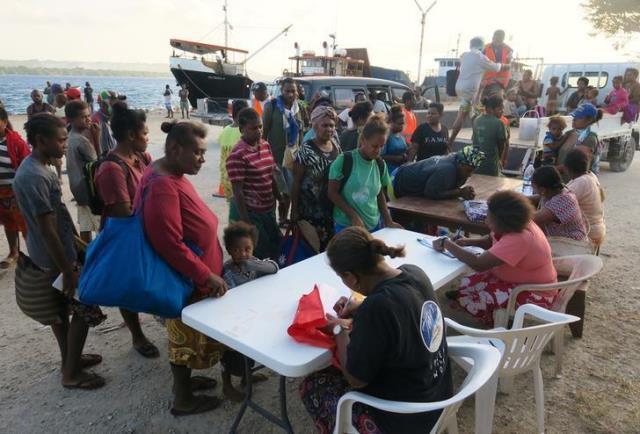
{"x":527,"y":190}
{"x":528,"y":174}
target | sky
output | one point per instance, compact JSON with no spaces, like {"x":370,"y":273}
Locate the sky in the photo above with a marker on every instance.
{"x":139,"y":30}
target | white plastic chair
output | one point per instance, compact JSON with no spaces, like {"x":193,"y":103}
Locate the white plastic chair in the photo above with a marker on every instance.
{"x":578,"y":270}
{"x":521,"y":348}
{"x":481,"y":379}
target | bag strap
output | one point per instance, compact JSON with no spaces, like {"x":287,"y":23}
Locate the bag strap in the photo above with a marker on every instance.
{"x":347,"y":168}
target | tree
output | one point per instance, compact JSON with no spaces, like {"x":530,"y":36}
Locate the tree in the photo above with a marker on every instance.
{"x":614,"y":17}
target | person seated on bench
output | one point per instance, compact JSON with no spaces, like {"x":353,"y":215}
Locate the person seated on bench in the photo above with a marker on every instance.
{"x":439,"y":177}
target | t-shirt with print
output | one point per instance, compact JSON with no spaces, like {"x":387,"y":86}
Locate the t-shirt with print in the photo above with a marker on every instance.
{"x":526,"y":256}
{"x":564,"y":206}
{"x":253,"y":166}
{"x":395,"y":145}
{"x":80,"y":151}
{"x":488,"y":131}
{"x":361,"y":189}
{"x":398,"y":348}
{"x":430,"y":142}
{"x":430,"y":178}
{"x":38,"y":192}
{"x":229,"y":137}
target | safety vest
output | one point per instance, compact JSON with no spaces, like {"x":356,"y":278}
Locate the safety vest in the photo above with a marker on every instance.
{"x":501,"y":77}
{"x":257,"y":105}
{"x":410,"y":124}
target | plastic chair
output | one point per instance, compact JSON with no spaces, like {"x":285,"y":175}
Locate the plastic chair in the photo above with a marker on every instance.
{"x":521,"y":348}
{"x":481,"y":379}
{"x":578,"y":269}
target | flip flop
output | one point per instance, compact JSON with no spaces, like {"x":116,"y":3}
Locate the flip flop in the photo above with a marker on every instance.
{"x":8,"y":262}
{"x":88,"y":360}
{"x":148,"y":350}
{"x":203,"y":404}
{"x":93,"y":381}
{"x":199,"y":382}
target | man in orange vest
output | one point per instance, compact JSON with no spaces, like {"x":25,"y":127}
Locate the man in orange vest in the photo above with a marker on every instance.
{"x":410,"y":121}
{"x":260,"y":97}
{"x":495,"y":83}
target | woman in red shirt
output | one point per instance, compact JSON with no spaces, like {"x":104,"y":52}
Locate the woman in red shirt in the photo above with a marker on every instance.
{"x":117,"y":180}
{"x":184,"y":232}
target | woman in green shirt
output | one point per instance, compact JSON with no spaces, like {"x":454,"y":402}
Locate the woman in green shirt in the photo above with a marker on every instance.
{"x":357,"y":194}
{"x":490,"y":137}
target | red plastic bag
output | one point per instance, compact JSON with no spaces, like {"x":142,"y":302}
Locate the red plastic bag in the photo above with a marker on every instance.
{"x":310,"y":318}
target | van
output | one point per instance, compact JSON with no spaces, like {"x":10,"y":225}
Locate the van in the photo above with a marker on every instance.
{"x":600,"y":75}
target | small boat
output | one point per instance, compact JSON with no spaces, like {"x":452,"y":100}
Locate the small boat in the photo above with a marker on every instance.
{"x":210,"y":71}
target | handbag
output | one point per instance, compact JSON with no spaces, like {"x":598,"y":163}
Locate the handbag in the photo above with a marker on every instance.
{"x":308,"y":321}
{"x":293,"y":247}
{"x":122,"y":269}
{"x":528,"y":126}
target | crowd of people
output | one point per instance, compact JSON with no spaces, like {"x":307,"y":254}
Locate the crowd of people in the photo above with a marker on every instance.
{"x":284,"y":161}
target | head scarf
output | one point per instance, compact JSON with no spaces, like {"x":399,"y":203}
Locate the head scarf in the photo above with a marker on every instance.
{"x":322,"y":112}
{"x":470,"y":156}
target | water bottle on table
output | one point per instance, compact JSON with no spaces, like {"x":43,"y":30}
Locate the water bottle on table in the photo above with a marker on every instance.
{"x":526,"y":178}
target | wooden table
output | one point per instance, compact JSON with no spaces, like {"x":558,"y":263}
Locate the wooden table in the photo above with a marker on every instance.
{"x":418,"y":213}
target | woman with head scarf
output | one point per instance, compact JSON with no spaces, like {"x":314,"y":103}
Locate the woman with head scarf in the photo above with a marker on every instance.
{"x":308,"y":194}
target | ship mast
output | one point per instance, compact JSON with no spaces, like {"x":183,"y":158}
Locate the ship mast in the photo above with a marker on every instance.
{"x":226,"y":28}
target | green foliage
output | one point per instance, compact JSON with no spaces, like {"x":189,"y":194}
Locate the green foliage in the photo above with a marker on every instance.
{"x":24,"y":70}
{"x":614,"y":17}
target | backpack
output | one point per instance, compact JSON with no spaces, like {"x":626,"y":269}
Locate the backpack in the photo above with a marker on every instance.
{"x":347,"y":168}
{"x":96,"y":204}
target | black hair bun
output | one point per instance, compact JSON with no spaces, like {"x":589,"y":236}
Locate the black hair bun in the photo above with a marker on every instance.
{"x":166,"y":127}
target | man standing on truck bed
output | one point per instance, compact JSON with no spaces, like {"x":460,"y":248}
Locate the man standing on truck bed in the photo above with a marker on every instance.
{"x":495,"y":82}
{"x":473,"y":64}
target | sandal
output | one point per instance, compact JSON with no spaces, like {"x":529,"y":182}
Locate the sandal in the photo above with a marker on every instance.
{"x":8,"y":262}
{"x":148,"y":350}
{"x":199,"y":382}
{"x":203,"y":403}
{"x":88,"y":360}
{"x":90,"y":382}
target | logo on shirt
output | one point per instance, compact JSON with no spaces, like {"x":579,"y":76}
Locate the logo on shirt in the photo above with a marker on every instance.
{"x":431,"y":326}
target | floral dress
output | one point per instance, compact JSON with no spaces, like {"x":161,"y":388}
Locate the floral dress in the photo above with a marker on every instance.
{"x":311,"y":205}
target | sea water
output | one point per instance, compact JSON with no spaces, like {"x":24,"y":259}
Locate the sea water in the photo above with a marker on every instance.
{"x":142,"y":92}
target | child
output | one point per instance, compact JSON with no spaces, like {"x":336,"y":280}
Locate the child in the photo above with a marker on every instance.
{"x":243,"y":267}
{"x":229,"y":136}
{"x":591,"y":96}
{"x":553,"y":92}
{"x":511,"y":108}
{"x":553,"y":140}
{"x":394,"y":152}
{"x":618,"y":98}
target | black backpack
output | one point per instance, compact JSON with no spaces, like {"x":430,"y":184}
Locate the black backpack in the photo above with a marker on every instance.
{"x":90,"y":169}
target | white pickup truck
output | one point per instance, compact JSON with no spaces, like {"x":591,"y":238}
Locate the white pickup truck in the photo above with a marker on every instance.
{"x":619,"y":143}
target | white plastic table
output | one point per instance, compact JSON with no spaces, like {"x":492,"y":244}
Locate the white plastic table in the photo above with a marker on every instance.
{"x":253,"y":318}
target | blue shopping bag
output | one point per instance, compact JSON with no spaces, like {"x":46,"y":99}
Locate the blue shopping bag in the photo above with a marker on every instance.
{"x":293,"y":248}
{"x":122,"y":269}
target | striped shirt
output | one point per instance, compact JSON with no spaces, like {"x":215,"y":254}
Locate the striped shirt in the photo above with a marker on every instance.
{"x":253,"y":166}
{"x":6,"y":168}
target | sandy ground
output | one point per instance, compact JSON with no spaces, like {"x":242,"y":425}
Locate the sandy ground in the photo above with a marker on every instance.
{"x":599,"y":390}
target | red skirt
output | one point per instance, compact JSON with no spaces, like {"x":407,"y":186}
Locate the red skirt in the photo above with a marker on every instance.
{"x":481,"y":294}
{"x":10,"y":216}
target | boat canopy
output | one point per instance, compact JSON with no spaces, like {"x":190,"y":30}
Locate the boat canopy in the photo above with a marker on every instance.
{"x":201,"y":48}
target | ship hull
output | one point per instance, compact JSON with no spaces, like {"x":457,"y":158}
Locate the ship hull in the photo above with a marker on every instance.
{"x":204,"y":84}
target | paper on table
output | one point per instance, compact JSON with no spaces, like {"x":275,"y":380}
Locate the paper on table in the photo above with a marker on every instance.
{"x":329,"y":295}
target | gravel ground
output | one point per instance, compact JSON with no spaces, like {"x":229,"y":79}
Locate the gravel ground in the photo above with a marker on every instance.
{"x":598,"y":392}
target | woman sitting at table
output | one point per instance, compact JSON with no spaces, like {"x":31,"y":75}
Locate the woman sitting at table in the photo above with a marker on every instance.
{"x":392,"y":345}
{"x":559,"y":214}
{"x":439,"y":177}
{"x":585,"y":185}
{"x":516,"y":252}
{"x":358,"y":195}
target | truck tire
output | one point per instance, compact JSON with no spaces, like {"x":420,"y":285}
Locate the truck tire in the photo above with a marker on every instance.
{"x":622,"y":163}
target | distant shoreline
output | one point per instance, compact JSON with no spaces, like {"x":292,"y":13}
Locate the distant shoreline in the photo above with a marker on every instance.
{"x":23,"y":70}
